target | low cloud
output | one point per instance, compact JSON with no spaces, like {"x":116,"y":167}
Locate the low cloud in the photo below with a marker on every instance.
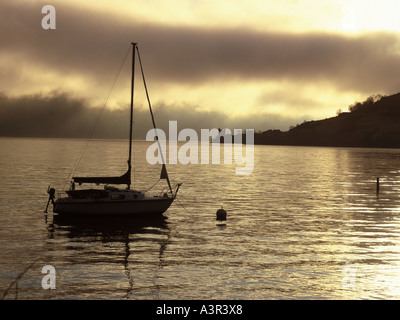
{"x":59,"y":115}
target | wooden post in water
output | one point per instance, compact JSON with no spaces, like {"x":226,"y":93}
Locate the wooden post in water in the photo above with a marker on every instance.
{"x":377,"y":185}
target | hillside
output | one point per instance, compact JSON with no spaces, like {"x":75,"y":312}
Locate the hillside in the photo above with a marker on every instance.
{"x":373,"y":123}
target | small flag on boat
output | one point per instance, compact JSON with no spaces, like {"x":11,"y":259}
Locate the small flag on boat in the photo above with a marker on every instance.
{"x":164,"y":174}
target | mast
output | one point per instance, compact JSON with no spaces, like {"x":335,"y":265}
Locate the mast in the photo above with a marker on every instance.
{"x":131,"y":116}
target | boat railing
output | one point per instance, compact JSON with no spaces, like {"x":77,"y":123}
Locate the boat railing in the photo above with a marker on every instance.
{"x":166,"y":192}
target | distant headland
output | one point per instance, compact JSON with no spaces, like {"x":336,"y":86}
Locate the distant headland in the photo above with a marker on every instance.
{"x":374,"y":123}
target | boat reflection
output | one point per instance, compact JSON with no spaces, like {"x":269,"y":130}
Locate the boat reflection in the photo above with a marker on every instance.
{"x":102,"y":244}
{"x":101,"y":226}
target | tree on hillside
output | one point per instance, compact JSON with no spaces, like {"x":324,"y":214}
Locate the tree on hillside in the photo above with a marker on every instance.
{"x":370,"y":101}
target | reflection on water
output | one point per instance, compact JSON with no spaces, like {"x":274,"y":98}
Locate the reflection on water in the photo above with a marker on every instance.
{"x":105,"y":245}
{"x":308,"y":223}
{"x":104,"y":227}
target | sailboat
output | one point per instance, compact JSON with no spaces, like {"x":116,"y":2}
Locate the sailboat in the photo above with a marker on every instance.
{"x":112,"y":200}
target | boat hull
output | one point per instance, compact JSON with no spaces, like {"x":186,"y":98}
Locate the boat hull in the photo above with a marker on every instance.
{"x":151,"y":206}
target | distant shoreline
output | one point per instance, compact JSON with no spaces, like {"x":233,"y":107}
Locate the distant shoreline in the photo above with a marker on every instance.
{"x":374,"y":123}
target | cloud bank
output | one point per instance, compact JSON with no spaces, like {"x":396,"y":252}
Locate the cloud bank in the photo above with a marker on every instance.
{"x":84,"y":51}
{"x":92,"y":44}
{"x":58,"y":115}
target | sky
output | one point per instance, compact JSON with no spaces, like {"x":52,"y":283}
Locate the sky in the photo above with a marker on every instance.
{"x":266,"y":64}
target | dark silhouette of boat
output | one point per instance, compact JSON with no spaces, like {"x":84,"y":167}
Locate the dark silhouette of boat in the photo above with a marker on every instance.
{"x":113,"y":200}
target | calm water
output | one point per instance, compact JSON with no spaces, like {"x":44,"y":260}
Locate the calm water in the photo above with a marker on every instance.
{"x":307,"y":224}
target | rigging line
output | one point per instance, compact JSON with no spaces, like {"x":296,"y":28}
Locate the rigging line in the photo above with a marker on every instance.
{"x":15,"y":281}
{"x":152,"y":118}
{"x":90,"y":134}
{"x":152,"y":186}
{"x":184,"y":207}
